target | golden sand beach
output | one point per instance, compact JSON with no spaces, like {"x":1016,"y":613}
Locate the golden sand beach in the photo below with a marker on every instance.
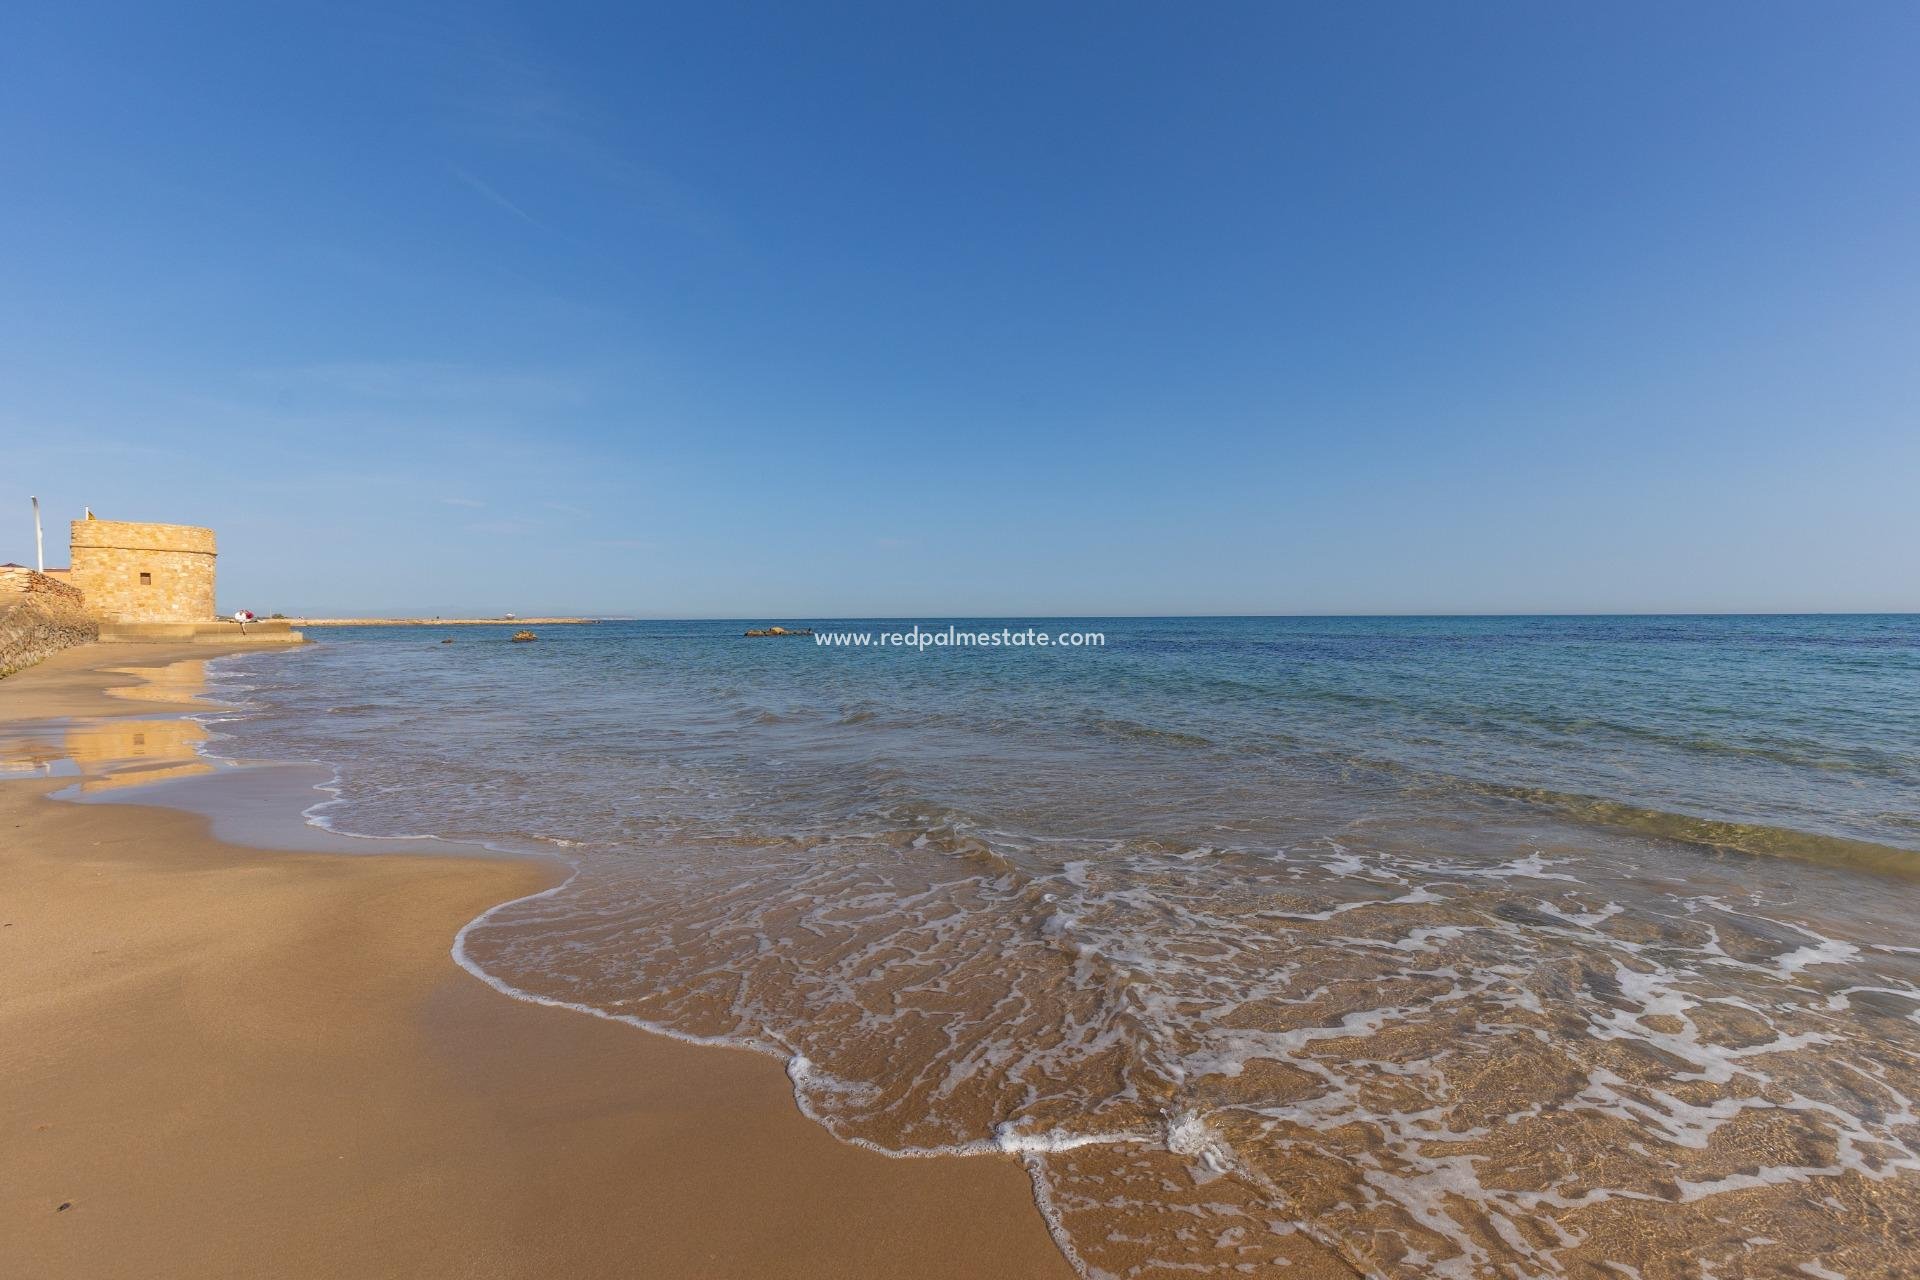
{"x":226,"y":1061}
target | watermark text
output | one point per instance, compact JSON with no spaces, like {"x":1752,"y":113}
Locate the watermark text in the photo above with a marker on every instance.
{"x":920,"y":639}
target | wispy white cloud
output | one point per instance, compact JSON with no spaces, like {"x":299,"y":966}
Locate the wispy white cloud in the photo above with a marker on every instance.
{"x":419,"y":381}
{"x":567,"y":509}
{"x":503,"y":528}
{"x":463,"y":502}
{"x":509,"y":99}
{"x":493,"y":195}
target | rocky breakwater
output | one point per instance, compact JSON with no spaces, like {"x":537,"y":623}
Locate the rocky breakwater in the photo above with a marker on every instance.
{"x":39,"y":616}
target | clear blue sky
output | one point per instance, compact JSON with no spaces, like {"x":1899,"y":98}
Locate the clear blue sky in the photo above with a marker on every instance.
{"x":802,"y":310}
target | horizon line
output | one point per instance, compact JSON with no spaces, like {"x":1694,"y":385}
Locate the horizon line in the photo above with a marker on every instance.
{"x":1141,"y":617}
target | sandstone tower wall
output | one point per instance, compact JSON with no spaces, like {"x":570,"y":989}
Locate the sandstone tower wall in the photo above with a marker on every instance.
{"x":133,"y":572}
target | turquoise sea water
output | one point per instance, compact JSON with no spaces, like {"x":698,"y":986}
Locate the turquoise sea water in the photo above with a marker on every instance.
{"x":1467,"y":946}
{"x":1805,"y":724}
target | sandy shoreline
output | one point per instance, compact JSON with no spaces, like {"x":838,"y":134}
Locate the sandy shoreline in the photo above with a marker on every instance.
{"x":232,"y":1062}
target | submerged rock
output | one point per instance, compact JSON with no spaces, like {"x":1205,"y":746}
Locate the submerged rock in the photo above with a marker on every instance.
{"x":521,"y":637}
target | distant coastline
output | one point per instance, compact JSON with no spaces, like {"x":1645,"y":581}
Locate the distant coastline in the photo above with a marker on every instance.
{"x":442,"y":622}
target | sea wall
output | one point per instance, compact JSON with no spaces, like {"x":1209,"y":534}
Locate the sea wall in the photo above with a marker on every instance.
{"x":135,"y":572}
{"x":38,"y":617}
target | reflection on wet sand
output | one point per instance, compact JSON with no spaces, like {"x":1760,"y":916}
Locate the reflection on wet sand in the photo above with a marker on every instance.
{"x":107,"y":754}
{"x":129,"y":753}
{"x":178,"y":682}
{"x":110,"y":752}
{"x":29,"y":756}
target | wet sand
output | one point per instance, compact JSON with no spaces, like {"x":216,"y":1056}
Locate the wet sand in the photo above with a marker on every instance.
{"x":224,"y":1061}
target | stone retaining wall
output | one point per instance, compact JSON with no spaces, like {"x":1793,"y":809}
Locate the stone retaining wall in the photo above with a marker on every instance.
{"x":39,"y":617}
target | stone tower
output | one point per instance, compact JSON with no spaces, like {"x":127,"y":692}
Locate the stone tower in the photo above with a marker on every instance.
{"x":133,"y":572}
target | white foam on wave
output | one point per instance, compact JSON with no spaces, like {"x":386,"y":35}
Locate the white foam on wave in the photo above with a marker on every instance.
{"x":1189,"y":1135}
{"x":1655,"y":1006}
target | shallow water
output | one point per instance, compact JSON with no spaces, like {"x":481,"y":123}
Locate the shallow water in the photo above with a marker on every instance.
{"x":1464,"y":947}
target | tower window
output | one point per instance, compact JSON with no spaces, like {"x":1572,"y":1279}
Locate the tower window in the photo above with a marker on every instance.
{"x":146,"y":579}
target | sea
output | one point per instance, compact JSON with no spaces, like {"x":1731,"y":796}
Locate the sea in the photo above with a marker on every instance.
{"x":1396,"y":947}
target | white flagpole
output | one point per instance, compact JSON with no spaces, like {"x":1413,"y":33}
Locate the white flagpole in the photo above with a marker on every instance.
{"x":39,"y":541}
